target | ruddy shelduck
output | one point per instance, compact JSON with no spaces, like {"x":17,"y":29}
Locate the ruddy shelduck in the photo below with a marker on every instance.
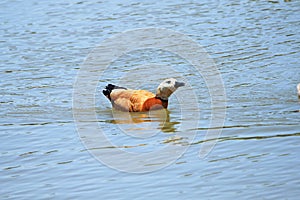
{"x":141,"y":100}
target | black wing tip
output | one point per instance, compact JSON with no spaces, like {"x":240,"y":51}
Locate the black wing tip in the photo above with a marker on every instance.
{"x":109,"y":88}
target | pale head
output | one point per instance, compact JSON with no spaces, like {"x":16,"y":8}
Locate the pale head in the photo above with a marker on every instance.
{"x":167,"y":87}
{"x":298,"y":89}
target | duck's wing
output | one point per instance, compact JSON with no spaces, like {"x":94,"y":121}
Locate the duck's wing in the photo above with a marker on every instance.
{"x":129,"y":100}
{"x":120,"y":99}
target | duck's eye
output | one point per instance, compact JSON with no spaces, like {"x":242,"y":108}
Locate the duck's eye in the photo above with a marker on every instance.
{"x":168,"y":82}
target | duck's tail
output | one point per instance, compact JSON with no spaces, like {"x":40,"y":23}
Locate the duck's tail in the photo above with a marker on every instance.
{"x":109,"y":88}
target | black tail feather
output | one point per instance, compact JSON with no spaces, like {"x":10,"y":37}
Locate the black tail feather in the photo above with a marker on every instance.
{"x":109,"y":88}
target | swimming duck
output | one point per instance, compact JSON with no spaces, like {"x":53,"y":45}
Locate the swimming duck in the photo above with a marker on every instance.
{"x":130,"y":100}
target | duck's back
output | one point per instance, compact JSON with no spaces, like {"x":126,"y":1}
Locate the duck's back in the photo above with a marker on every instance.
{"x":130,"y":100}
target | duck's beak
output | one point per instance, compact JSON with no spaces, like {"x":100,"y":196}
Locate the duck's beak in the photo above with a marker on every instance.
{"x":179,"y":84}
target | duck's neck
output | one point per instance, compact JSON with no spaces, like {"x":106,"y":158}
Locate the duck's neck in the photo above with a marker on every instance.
{"x":163,"y":101}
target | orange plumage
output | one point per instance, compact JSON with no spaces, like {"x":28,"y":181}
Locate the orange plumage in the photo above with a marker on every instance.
{"x":141,"y":100}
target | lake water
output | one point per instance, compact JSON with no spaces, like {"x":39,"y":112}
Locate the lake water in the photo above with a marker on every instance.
{"x":255,"y":46}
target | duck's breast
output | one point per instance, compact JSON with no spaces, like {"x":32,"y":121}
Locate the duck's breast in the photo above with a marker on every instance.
{"x":138,"y":99}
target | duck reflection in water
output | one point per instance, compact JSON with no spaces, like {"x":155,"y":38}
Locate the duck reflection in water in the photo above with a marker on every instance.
{"x":154,"y":119}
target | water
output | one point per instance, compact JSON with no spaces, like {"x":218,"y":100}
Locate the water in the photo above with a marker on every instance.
{"x":255,"y":45}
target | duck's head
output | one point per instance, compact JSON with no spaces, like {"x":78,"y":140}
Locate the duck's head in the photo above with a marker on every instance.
{"x":167,"y":87}
{"x":298,"y":90}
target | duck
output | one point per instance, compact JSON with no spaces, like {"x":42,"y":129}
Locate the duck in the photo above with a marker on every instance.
{"x":130,"y":100}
